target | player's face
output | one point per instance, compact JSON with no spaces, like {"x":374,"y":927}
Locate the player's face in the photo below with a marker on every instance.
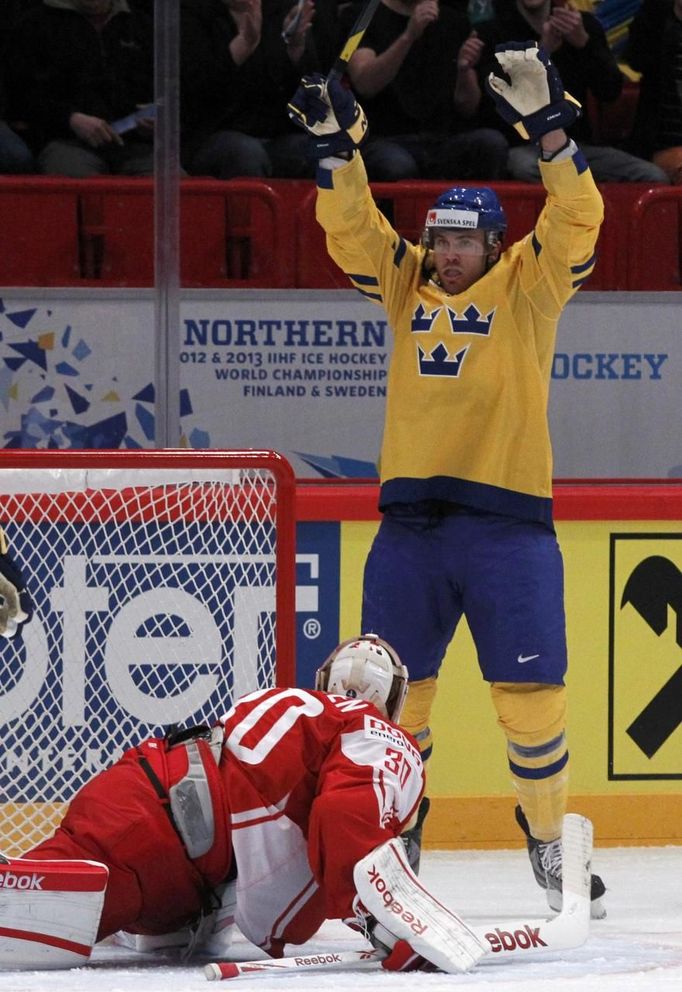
{"x":460,"y":258}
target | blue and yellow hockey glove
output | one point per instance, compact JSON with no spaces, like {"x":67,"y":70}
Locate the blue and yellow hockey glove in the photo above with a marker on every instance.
{"x":331,"y":115}
{"x":534,"y":102}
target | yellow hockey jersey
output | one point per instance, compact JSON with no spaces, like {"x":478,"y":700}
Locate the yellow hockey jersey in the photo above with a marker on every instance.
{"x":468,"y":384}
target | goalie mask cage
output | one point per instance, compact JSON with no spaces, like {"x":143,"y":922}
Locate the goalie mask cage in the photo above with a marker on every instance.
{"x":164,"y":587}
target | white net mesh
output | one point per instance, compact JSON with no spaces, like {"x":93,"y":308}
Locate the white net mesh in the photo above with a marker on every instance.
{"x":155,"y":605}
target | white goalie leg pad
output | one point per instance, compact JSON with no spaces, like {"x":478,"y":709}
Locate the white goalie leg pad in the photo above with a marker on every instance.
{"x":153,"y":942}
{"x":529,"y":938}
{"x":49,"y":912}
{"x":392,"y":893}
{"x":212,"y":935}
{"x":216,"y":935}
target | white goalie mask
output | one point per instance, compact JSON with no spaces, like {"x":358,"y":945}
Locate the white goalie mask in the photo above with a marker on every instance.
{"x":366,"y":668}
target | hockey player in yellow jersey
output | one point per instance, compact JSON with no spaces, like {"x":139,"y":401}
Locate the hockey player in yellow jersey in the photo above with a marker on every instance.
{"x":466,"y":462}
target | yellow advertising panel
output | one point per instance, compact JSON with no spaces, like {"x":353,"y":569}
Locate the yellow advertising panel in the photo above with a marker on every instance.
{"x":624,"y":626}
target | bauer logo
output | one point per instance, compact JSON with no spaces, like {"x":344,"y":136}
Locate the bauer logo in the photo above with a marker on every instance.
{"x":645,"y":657}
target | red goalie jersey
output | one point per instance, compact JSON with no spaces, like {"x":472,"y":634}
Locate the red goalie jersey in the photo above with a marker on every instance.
{"x":315,"y":782}
{"x":306,"y":785}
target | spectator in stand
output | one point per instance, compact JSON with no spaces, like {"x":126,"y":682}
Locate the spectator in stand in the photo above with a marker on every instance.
{"x":240,"y":60}
{"x":415,"y":74}
{"x":576,"y":42}
{"x":655,"y":49}
{"x":75,"y":68}
{"x":326,"y":35}
{"x":15,"y":155}
{"x":9,"y":12}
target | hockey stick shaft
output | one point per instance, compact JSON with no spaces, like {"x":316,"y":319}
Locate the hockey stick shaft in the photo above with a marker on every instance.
{"x":333,"y":961}
{"x":354,"y":38}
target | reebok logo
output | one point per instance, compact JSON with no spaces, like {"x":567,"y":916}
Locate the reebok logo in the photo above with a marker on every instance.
{"x":505,"y":940}
{"x":393,"y":905}
{"x":8,"y":880}
{"x":523,"y":658}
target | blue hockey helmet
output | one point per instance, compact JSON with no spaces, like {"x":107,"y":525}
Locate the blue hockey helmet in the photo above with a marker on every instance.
{"x":464,"y":207}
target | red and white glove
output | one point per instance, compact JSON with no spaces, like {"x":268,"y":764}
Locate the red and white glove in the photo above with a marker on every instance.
{"x":404,"y":958}
{"x":400,"y":956}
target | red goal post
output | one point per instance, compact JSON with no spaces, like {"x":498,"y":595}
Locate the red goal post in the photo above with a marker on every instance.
{"x":164,"y":587}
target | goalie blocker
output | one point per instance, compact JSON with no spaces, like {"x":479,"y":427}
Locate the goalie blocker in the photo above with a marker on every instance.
{"x":49,"y":912}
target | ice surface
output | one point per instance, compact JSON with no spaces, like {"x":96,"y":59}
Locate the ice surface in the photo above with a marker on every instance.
{"x":637,"y":948}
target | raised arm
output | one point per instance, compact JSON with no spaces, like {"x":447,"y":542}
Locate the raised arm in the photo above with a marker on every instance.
{"x":379,"y":263}
{"x":559,"y":256}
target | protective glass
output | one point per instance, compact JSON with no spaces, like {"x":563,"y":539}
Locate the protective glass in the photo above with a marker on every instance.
{"x":458,"y":243}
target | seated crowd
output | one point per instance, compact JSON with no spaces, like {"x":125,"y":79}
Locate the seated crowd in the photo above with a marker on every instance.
{"x":77,"y":86}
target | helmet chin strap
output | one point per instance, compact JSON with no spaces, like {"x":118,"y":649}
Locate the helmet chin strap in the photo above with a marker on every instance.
{"x":490,"y":261}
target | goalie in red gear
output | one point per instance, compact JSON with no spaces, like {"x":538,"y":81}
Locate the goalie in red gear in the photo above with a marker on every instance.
{"x":278,"y":803}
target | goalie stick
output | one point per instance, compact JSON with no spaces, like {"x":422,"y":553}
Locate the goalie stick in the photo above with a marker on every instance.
{"x":518,"y":939}
{"x":326,"y":961}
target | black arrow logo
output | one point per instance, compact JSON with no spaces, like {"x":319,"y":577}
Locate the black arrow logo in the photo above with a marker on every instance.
{"x":655,"y":585}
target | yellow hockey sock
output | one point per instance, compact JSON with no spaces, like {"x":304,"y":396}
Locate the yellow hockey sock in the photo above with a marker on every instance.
{"x":533,"y":718}
{"x":417,"y":713}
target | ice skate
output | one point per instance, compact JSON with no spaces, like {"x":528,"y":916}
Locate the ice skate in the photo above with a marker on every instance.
{"x":545,"y":859}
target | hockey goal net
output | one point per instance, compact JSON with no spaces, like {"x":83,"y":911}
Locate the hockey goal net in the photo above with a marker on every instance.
{"x":164,"y":588}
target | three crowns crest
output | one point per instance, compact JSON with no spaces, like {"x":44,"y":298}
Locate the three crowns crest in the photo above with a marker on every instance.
{"x":439,"y":361}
